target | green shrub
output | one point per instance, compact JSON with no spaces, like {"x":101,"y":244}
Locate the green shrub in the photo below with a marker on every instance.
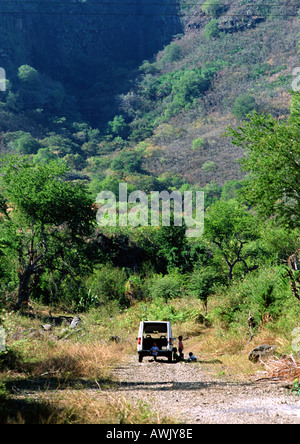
{"x":230,"y":189}
{"x":158,"y":309}
{"x":243,"y":105}
{"x":198,"y":143}
{"x":44,"y":156}
{"x":208,"y":166}
{"x":108,"y":284}
{"x":184,"y":86}
{"x":171,"y":53}
{"x":26,"y":144}
{"x":166,"y":287}
{"x":211,"y":30}
{"x":213,"y":8}
{"x":129,"y":161}
{"x":265,"y":293}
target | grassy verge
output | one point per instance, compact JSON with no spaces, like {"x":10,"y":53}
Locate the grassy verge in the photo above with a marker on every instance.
{"x":61,"y":376}
{"x":46,"y":379}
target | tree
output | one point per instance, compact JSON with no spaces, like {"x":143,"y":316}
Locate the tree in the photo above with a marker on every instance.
{"x":129,"y":161}
{"x":36,"y":90}
{"x":118,"y":127}
{"x":173,"y":246}
{"x":273,"y":163}
{"x":202,"y":283}
{"x":230,"y":227}
{"x":212,"y":30}
{"x":26,"y":144}
{"x":45,"y":223}
{"x":213,"y":8}
{"x":243,"y":105}
{"x":30,"y":87}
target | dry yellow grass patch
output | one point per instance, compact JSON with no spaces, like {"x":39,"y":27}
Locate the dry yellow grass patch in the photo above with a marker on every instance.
{"x":84,"y":407}
{"x":69,"y":360}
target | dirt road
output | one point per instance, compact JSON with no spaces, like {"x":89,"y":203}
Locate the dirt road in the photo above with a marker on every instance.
{"x":187,"y":393}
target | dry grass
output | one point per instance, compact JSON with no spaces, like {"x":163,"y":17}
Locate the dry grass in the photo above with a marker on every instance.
{"x":226,"y":353}
{"x":103,"y":408}
{"x":78,"y":407}
{"x":76,"y":360}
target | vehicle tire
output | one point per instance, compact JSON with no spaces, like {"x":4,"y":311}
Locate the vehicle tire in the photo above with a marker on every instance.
{"x":140,"y":358}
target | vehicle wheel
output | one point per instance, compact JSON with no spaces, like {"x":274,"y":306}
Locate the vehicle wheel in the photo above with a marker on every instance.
{"x":140,"y":358}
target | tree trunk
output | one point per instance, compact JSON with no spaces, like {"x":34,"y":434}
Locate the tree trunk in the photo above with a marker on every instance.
{"x":230,"y":274}
{"x":30,"y":269}
{"x":293,"y":282}
{"x":23,"y":290}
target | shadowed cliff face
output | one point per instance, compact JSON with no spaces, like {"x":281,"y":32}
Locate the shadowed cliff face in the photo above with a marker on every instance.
{"x":88,"y":46}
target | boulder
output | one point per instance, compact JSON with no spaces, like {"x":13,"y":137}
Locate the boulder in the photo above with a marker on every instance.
{"x":76,"y":321}
{"x":47,"y":327}
{"x":261,"y":352}
{"x":115,"y":339}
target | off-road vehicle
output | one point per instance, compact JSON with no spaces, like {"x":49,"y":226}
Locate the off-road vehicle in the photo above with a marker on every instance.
{"x":155,"y":331}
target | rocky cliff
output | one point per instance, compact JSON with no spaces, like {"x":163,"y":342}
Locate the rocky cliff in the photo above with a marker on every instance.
{"x":88,"y":46}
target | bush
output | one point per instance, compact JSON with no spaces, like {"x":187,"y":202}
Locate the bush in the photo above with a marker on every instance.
{"x":230,"y":189}
{"x":198,"y":143}
{"x":166,"y":287}
{"x":264,"y":293}
{"x":184,"y":86}
{"x":171,"y":53}
{"x":208,"y":166}
{"x":44,"y":156}
{"x":129,"y":161}
{"x":243,"y":105}
{"x":108,"y":284}
{"x":213,"y":8}
{"x":212,"y":30}
{"x":26,"y":144}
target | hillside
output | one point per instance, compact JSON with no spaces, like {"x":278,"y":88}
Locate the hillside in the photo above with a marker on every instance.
{"x":164,"y":96}
{"x":250,"y":56}
{"x":172,"y":110}
{"x":88,"y":47}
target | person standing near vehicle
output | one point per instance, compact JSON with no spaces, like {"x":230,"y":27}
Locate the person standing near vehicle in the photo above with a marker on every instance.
{"x":180,"y":347}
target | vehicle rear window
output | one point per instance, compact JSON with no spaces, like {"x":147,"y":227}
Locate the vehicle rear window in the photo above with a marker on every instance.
{"x":155,"y":328}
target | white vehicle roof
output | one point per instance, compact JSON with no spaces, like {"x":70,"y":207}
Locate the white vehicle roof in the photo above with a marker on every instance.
{"x":155,"y":326}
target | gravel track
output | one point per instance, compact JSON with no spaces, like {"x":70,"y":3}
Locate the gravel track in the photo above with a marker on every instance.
{"x":187,"y":393}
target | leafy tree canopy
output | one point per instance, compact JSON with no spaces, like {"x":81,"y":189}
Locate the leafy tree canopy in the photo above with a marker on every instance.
{"x":45,"y":219}
{"x":230,"y":227}
{"x":273,"y":163}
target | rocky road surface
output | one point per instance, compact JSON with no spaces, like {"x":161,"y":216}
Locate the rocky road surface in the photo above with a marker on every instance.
{"x":187,"y":393}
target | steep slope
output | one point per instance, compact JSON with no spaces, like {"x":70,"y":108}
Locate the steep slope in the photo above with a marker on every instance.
{"x":95,"y":101}
{"x":250,"y":52}
{"x":88,"y":46}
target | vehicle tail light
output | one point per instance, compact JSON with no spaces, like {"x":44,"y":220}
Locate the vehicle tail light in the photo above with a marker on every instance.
{"x":139,"y":341}
{"x":170,"y":341}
